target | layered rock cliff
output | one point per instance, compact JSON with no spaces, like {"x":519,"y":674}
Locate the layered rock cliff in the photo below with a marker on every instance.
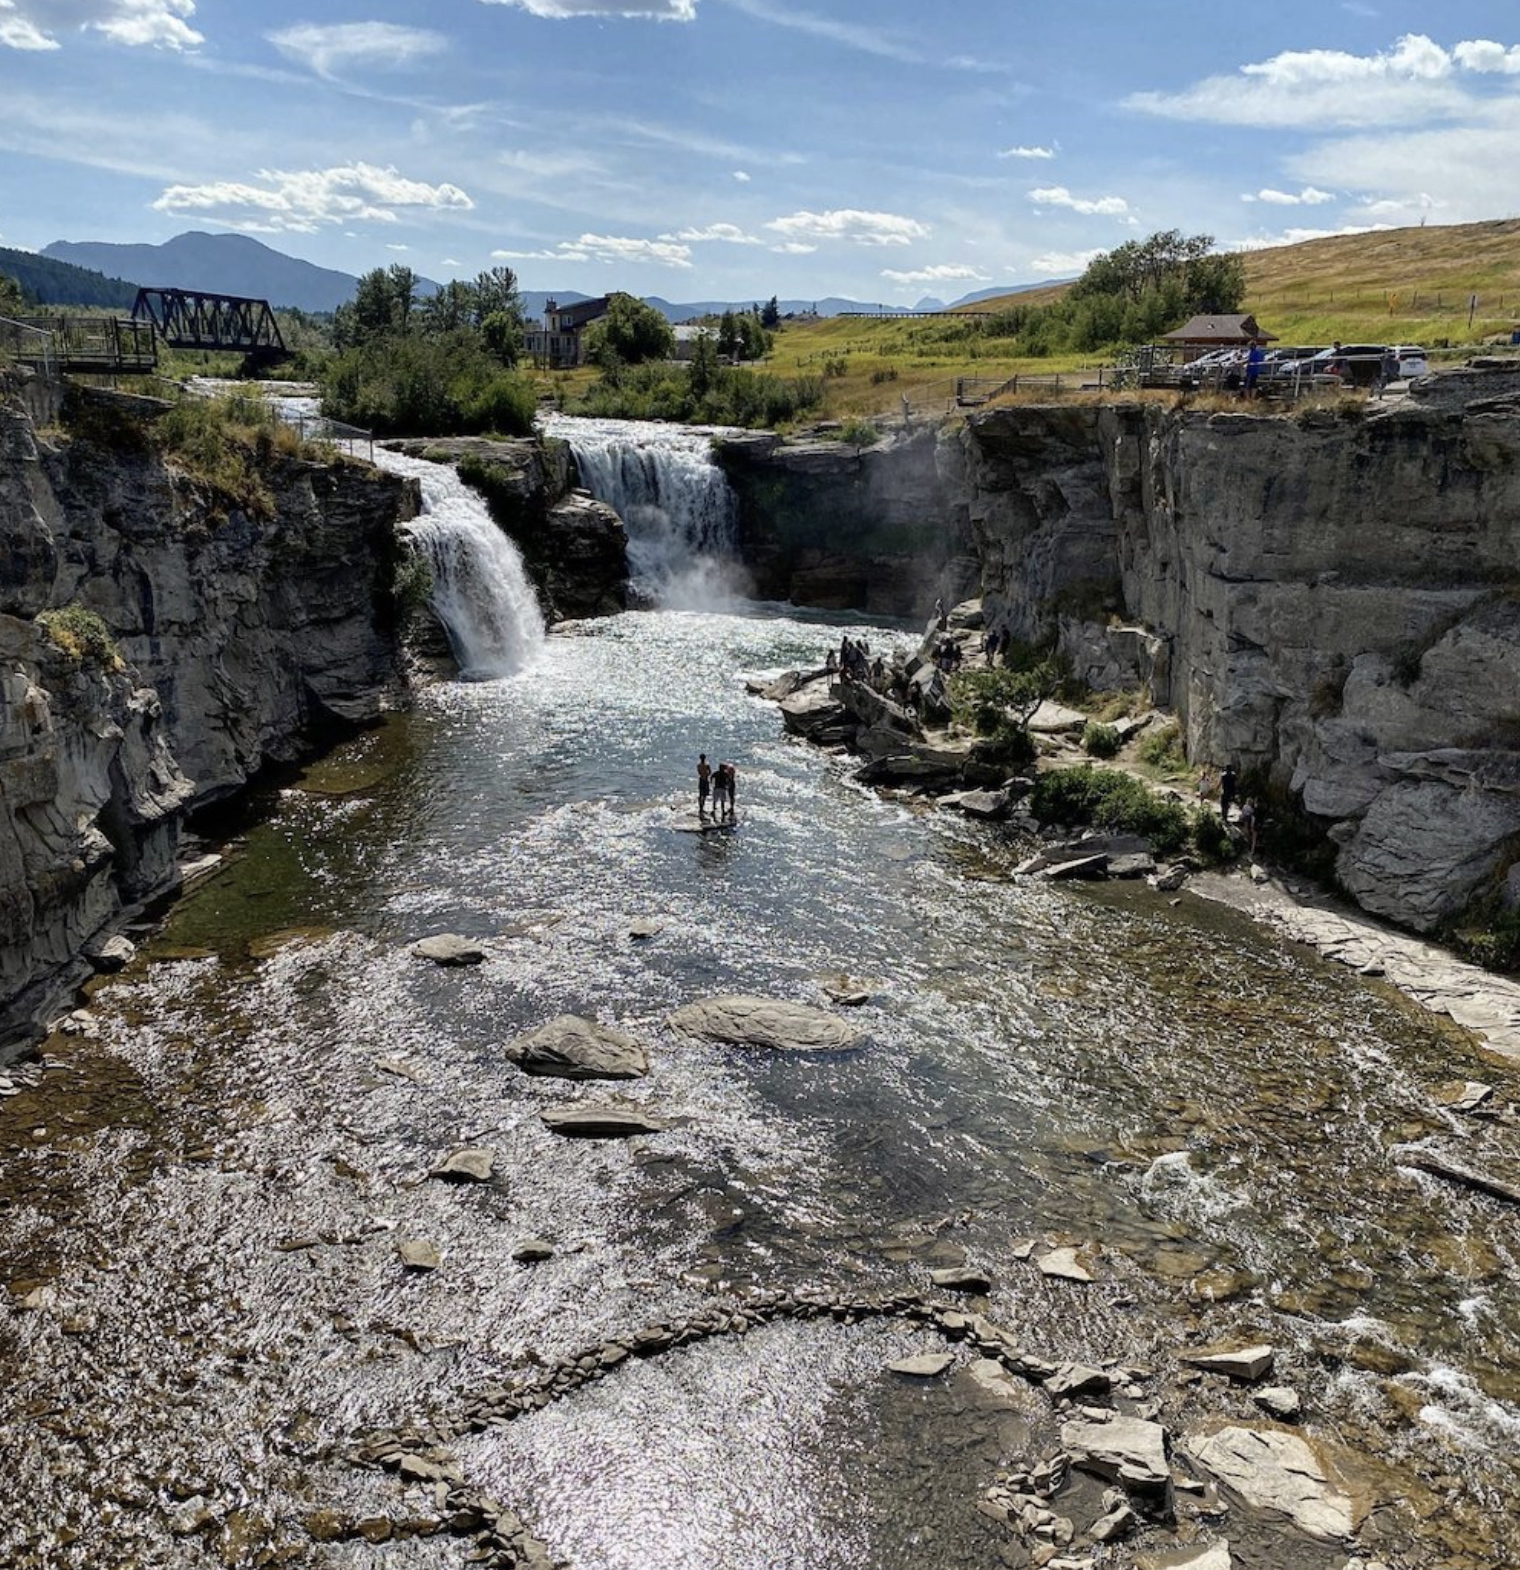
{"x":1333,"y":598}
{"x":200,"y":640}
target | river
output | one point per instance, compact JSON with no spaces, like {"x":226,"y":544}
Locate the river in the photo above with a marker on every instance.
{"x":202,"y":1200}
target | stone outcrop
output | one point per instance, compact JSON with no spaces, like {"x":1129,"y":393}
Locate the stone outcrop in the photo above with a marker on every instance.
{"x":219,"y":638}
{"x":574,"y":547}
{"x":1330,"y":598}
{"x":827,"y":524}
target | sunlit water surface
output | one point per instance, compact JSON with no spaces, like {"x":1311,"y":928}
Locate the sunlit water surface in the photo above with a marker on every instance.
{"x":211,"y":1194}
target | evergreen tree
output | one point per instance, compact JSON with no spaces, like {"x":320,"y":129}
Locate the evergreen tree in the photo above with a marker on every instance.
{"x":770,"y":317}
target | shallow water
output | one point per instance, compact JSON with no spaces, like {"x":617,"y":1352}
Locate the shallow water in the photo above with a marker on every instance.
{"x":1209,"y":1112}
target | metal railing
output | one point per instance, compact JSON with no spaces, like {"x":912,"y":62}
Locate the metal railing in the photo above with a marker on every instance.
{"x":31,"y":345}
{"x":346,"y":438}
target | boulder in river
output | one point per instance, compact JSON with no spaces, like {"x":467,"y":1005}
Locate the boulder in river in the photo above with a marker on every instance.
{"x":599,"y":1122}
{"x":1128,"y":1450}
{"x":930,"y":1366}
{"x":418,"y":1254}
{"x":570,"y":1047}
{"x":1280,"y":1472}
{"x":1279,"y":1401}
{"x":1064,"y":1265}
{"x":961,"y":1280}
{"x":766,"y":1022}
{"x":1243,"y":1363}
{"x":468,"y":1164}
{"x":448,"y":948}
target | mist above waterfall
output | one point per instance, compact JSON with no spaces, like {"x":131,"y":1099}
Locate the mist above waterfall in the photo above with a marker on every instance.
{"x":680,"y":512}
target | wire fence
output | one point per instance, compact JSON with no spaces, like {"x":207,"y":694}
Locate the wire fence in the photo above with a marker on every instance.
{"x":346,"y":438}
{"x":29,"y":345}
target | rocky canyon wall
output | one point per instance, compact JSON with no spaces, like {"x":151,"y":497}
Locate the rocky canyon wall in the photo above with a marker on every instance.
{"x":1333,"y":597}
{"x":227,"y":638}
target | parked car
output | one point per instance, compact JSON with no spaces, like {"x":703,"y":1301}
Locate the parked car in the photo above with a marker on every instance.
{"x":1411,"y":360}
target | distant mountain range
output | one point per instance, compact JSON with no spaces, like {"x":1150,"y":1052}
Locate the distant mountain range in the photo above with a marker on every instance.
{"x":237,"y":264}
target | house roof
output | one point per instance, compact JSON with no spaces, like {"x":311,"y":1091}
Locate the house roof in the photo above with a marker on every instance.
{"x":1221,"y":330}
{"x":579,"y":314}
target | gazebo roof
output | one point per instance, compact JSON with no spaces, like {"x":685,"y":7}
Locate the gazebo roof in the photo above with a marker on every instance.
{"x":1222,"y":330}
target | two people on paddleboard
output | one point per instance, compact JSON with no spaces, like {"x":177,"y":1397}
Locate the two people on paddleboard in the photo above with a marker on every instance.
{"x":717,"y":783}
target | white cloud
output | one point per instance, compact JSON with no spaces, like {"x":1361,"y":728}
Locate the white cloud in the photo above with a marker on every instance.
{"x":1481,"y":55}
{"x":1059,"y":196}
{"x":1063,"y":264}
{"x":852,"y":225}
{"x":1310,"y":196}
{"x":304,"y":200}
{"x":1416,"y":80}
{"x":741,"y":177}
{"x":727,"y":234}
{"x":1266,"y":242}
{"x":938,"y":274}
{"x":654,"y":10}
{"x":328,"y":50}
{"x":1027,"y":152}
{"x":18,"y":32}
{"x":390,"y":247}
{"x":794,"y":248}
{"x":451,"y":261}
{"x":606,"y":248}
{"x":160,"y":24}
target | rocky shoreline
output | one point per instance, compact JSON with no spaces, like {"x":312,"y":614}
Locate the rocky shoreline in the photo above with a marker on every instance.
{"x":909,"y":746}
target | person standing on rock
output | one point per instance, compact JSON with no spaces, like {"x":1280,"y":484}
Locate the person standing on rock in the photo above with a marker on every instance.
{"x":704,"y":786}
{"x":1227,"y":782}
{"x":725,"y":791}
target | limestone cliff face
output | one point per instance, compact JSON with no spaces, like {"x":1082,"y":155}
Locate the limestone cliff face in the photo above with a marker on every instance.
{"x":823,"y":524}
{"x":238,"y":641}
{"x":1335,"y":600}
{"x":574,"y":547}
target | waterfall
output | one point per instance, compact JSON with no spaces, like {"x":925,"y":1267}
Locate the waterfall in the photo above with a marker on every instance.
{"x":481,"y":593}
{"x":676,"y":503}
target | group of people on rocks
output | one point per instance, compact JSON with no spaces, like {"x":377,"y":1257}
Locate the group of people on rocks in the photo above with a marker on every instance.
{"x":853,"y":662}
{"x":1250,"y":812}
{"x":949,"y":656}
{"x":717,"y":784}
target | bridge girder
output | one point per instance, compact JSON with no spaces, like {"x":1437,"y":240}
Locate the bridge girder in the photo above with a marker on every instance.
{"x":197,"y":319}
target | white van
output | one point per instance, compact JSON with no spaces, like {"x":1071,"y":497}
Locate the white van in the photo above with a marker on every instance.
{"x":1411,"y":360}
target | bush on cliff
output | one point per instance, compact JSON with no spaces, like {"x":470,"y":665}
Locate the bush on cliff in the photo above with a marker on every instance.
{"x":724,"y":396}
{"x":82,"y":636}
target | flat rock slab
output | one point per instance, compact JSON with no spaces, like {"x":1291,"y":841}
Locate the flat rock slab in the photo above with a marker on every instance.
{"x":533,"y":1251}
{"x":645,"y":927}
{"x":1216,"y":1556}
{"x":592,"y":1122}
{"x":950,"y":1280}
{"x":1280,"y":1472}
{"x":570,"y":1047}
{"x":1063,"y":1265}
{"x":448,"y":948}
{"x":1464,"y":1095}
{"x":468,"y":1164}
{"x":1244,"y":1363}
{"x":995,"y":1385}
{"x":1279,"y":1401}
{"x":1126,"y":1449}
{"x":419,"y":1255}
{"x":930,"y":1366}
{"x":1077,"y":1379}
{"x":1053,"y":719}
{"x":766,"y":1022}
{"x":845,"y":991}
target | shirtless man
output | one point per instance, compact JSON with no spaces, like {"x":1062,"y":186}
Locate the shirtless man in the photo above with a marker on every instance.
{"x":704,"y":786}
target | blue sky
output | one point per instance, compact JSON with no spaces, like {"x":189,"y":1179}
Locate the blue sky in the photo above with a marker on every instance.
{"x":702,"y":149}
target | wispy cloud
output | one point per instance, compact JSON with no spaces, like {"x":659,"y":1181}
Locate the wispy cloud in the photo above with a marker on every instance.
{"x":563,"y":10}
{"x":939,"y":274}
{"x":607,"y":248}
{"x":1027,"y":152}
{"x":851,"y":225}
{"x":868,"y":40}
{"x":302,"y":201}
{"x":722,"y":233}
{"x":330,"y":49}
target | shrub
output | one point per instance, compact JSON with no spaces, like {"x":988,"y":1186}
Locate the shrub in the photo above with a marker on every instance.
{"x":1099,"y":741}
{"x":413,"y":585}
{"x":227,"y":444}
{"x":859,"y":433}
{"x":985,"y":701}
{"x":82,"y":636}
{"x":1211,"y":838}
{"x":1110,"y":800}
{"x":1162,"y":749}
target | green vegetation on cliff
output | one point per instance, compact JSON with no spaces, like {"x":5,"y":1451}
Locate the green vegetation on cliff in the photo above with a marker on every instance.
{"x":81,"y":636}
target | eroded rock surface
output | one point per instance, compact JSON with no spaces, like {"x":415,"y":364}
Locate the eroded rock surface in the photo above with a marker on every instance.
{"x":766,"y":1022}
{"x":571,"y":1047}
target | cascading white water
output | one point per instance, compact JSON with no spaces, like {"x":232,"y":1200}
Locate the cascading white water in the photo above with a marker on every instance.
{"x":676,"y":503}
{"x":481,"y":593}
